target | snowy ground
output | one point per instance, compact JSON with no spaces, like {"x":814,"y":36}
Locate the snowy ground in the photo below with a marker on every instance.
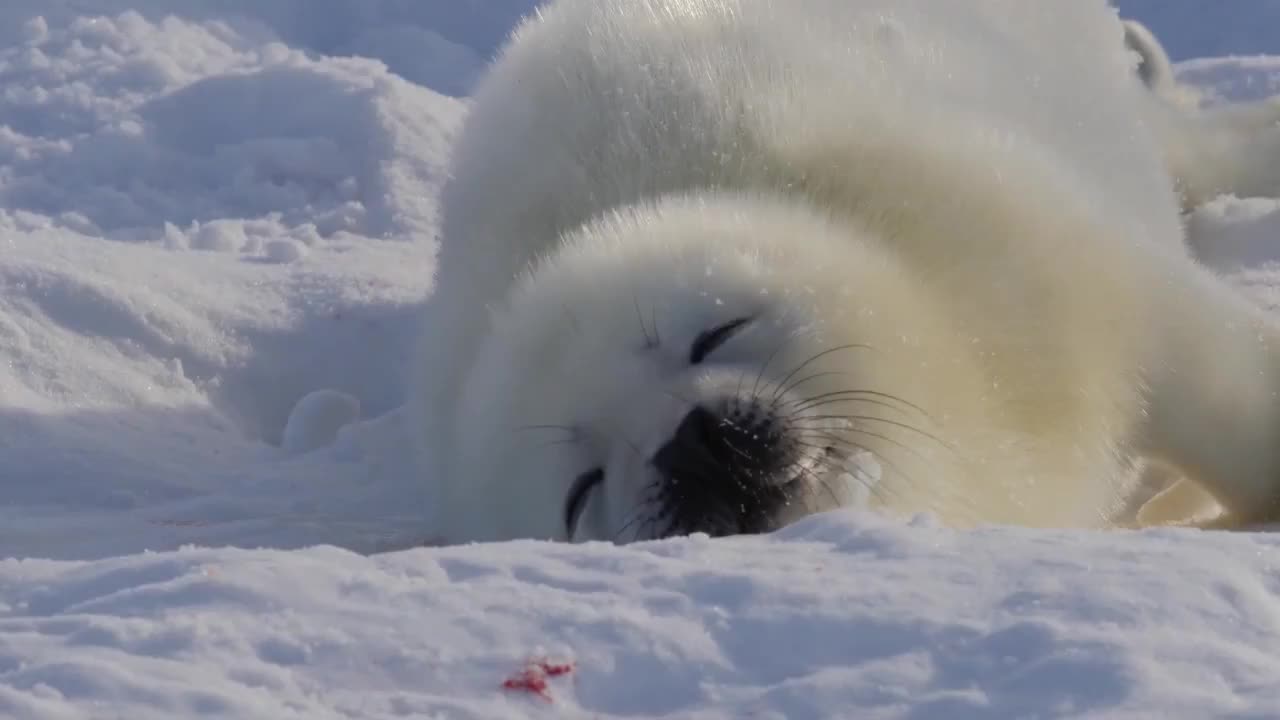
{"x":211,"y":208}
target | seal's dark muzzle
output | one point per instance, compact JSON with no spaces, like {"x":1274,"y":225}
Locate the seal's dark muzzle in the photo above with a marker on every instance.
{"x":725,"y":473}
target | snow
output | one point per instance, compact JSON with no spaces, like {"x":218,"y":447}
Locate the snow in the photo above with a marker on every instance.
{"x":317,"y":418}
{"x":216,"y":227}
{"x":835,"y":615}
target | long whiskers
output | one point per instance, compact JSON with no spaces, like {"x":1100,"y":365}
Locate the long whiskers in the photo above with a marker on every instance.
{"x":814,"y":358}
{"x":650,"y":341}
{"x":849,"y":446}
{"x":844,"y":397}
{"x":649,"y":495}
{"x":899,"y":403}
{"x":806,"y":421}
{"x":755,"y":386}
{"x":862,"y":432}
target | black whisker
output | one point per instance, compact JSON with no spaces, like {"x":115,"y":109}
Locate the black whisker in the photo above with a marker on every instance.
{"x":797,"y":422}
{"x":801,"y":404}
{"x":812,"y":478}
{"x":755,"y":387}
{"x":649,"y":342}
{"x":564,"y":428}
{"x":841,"y":400}
{"x":814,"y":358}
{"x":648,"y":497}
{"x":827,"y":434}
{"x":873,"y":488}
{"x":880,"y":457}
{"x":784,"y":389}
{"x":552,"y":443}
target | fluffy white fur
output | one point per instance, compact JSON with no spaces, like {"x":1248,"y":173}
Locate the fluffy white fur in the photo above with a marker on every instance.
{"x":973,"y":193}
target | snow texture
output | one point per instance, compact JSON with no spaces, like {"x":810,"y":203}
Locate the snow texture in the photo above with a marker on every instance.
{"x":217,"y":224}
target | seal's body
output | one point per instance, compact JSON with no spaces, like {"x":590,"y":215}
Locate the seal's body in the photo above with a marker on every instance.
{"x":709,"y":265}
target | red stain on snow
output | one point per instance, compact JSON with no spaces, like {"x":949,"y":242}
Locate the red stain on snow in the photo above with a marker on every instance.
{"x":532,"y":678}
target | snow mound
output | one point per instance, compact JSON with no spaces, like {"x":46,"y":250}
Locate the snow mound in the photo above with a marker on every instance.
{"x":838,"y":616}
{"x":316,"y":420}
{"x":200,"y":226}
{"x":441,"y":44}
{"x":1235,"y":234}
{"x":201,"y":137}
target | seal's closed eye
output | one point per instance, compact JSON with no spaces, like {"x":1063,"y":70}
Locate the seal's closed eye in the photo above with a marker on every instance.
{"x":707,"y":342}
{"x":577,"y":498}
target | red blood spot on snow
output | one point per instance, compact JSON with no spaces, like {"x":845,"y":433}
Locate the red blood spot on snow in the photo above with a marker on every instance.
{"x":532,"y":678}
{"x":555,"y":669}
{"x":529,"y":680}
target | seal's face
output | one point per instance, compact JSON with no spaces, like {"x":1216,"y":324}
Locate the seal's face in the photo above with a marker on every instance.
{"x":638,"y":387}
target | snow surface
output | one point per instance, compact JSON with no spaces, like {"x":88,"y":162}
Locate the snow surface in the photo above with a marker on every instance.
{"x":216,"y":226}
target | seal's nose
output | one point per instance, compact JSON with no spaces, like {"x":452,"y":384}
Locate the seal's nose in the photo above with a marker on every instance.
{"x":707,"y":443}
{"x":697,"y":445}
{"x":721,"y":471}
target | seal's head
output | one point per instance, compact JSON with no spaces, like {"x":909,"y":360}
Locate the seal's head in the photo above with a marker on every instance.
{"x":703,"y":365}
